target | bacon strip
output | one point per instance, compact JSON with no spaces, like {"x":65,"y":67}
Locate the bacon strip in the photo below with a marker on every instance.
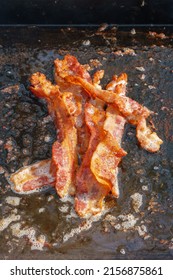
{"x":79,"y":94}
{"x":105,"y":160}
{"x":70,"y":65}
{"x":89,"y":192}
{"x":148,"y":140}
{"x":43,"y":88}
{"x":33,"y":177}
{"x":64,"y":157}
{"x":108,"y":154}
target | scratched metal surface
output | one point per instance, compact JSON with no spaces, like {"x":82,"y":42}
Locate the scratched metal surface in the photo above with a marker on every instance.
{"x":140,"y":225}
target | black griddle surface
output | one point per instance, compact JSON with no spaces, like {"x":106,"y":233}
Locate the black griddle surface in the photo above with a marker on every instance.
{"x":27,"y":133}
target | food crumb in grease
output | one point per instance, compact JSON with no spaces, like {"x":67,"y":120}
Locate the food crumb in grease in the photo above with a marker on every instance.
{"x":37,"y":243}
{"x":2,"y":170}
{"x":86,"y":43}
{"x":140,"y":68}
{"x":5,"y":222}
{"x":142,"y":77}
{"x":133,"y":31}
{"x":137,"y":201}
{"x":41,"y":210}
{"x":145,"y":188}
{"x":13,"y":200}
{"x":122,"y":251}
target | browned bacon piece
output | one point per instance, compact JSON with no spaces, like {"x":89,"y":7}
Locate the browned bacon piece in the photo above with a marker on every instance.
{"x":148,"y":140}
{"x":89,"y":192}
{"x":79,"y":94}
{"x":33,"y":177}
{"x":105,"y":160}
{"x":64,"y":156}
{"x":43,"y":88}
{"x":70,"y":65}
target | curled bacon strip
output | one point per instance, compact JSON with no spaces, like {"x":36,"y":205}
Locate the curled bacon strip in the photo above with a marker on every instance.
{"x":89,"y":192}
{"x":70,"y":63}
{"x":148,"y":140}
{"x":115,"y":125}
{"x":105,"y":160}
{"x":64,"y":157}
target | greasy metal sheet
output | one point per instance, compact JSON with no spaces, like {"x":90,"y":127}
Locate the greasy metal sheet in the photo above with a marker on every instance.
{"x":140,"y":225}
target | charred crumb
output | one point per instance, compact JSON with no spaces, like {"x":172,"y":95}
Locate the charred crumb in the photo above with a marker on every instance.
{"x":102,"y":27}
{"x":86,"y":43}
{"x":125,"y":51}
{"x":137,"y":201}
{"x":157,"y":35}
{"x":95,"y":63}
{"x":2,"y":170}
{"x":133,"y":31}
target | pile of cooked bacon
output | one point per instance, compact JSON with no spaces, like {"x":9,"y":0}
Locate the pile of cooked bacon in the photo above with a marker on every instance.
{"x":90,"y":123}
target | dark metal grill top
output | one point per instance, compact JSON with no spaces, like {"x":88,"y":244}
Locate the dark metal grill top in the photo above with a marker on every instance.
{"x":24,"y":124}
{"x":86,"y":12}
